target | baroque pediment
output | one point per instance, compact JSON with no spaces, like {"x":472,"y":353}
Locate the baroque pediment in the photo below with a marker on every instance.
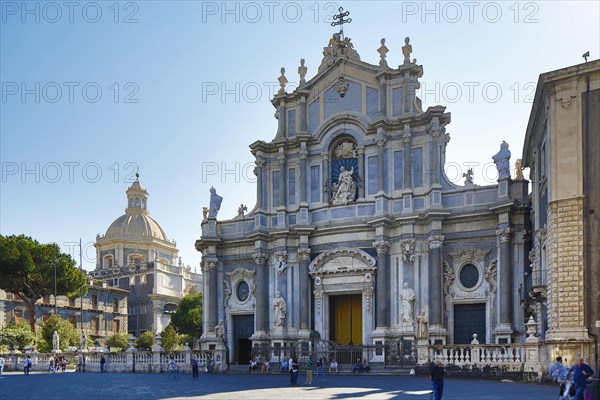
{"x":342,"y":260}
{"x":468,"y":255}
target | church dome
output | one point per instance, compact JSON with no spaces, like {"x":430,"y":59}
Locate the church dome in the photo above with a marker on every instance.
{"x":136,"y":224}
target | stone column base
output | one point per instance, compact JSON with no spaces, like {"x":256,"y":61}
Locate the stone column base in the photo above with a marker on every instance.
{"x":422,"y":352}
{"x":504,"y":333}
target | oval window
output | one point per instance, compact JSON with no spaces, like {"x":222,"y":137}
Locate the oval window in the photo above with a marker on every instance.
{"x":469,"y":276}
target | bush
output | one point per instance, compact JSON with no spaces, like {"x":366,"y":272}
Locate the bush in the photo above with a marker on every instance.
{"x":66,"y":332}
{"x":190,"y":340}
{"x":18,"y":335}
{"x":170,"y":339}
{"x":145,"y":341}
{"x":118,"y":341}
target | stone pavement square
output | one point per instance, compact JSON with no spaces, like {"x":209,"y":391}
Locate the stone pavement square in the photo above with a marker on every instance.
{"x":96,"y":386}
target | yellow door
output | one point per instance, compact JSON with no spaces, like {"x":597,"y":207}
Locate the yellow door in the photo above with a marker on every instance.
{"x":346,"y":319}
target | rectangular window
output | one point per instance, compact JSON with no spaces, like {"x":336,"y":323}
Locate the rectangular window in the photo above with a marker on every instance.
{"x":276,"y":188}
{"x":132,"y":280}
{"x":144,"y":278}
{"x":18,"y":315}
{"x":73,"y":320}
{"x":142,"y":310}
{"x":292,"y":186}
{"x":315,"y":183}
{"x":372,"y":174}
{"x":46,"y":299}
{"x":417,"y":167}
{"x":95,"y":324}
{"x":116,"y":326}
{"x":94,"y":301}
{"x":115,"y":305}
{"x":71,"y":302}
{"x":398,"y":170}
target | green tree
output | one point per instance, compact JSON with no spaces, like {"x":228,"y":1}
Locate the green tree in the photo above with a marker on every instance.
{"x":66,"y":332}
{"x":145,"y":341}
{"x":170,"y":339}
{"x":18,"y":335}
{"x":27,"y":269}
{"x":118,"y":341}
{"x":187,"y":320}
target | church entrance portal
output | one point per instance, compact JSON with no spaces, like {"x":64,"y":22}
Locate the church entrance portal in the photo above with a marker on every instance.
{"x":345,"y":313}
{"x":469,"y":319}
{"x":243,"y":328}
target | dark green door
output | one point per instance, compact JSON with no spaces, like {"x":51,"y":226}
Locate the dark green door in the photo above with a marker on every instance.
{"x":243,"y":328}
{"x":469,"y":319}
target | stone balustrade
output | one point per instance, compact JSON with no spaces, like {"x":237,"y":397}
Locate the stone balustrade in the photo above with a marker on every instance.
{"x":507,"y":355}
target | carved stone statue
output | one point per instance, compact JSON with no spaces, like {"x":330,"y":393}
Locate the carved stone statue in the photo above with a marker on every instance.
{"x":220,"y":331}
{"x":55,"y":342}
{"x":345,"y":150}
{"x":406,"y":50}
{"x":519,"y":170}
{"x":408,"y":251}
{"x":280,"y":308}
{"x":242,"y":209}
{"x":383,"y":50}
{"x":407,"y":300}
{"x":422,"y":325}
{"x":227,"y":292}
{"x":468,"y":176}
{"x":83,"y":340}
{"x":344,"y":190}
{"x":302,"y":72}
{"x":215,"y":203}
{"x":502,"y":161}
{"x":204,"y":213}
{"x":282,"y":82}
{"x":280,"y":262}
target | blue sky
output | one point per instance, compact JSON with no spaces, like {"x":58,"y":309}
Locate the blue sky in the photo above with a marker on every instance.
{"x":94,"y":91}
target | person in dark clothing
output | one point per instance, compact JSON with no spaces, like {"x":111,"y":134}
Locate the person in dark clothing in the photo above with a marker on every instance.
{"x":581,"y":373}
{"x":436,"y":374}
{"x":195,"y":371}
{"x":102,"y":362}
{"x":295,"y":371}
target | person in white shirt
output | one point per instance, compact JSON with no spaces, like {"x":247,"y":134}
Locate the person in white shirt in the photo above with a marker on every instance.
{"x":333,"y":366}
{"x":1,"y":364}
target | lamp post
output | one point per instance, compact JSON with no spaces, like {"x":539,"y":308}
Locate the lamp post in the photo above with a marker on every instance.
{"x":55,"y":287}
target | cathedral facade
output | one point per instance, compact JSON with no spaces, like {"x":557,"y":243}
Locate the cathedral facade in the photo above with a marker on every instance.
{"x":357,"y":235}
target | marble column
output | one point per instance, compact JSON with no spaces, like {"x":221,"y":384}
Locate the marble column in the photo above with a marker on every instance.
{"x":435,"y":280}
{"x":303,"y":176}
{"x":326,"y":177}
{"x":380,"y":150}
{"x":505,"y":302}
{"x":382,"y":284}
{"x":435,"y":161}
{"x":303,"y":259}
{"x":360,"y":154}
{"x":258,"y":171}
{"x":211,"y":296}
{"x":262,"y":284}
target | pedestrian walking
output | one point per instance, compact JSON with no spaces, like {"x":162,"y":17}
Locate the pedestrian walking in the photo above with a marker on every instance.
{"x":102,"y":362}
{"x":1,"y":364}
{"x":581,"y":373}
{"x":320,"y":371}
{"x":295,"y":371}
{"x":173,"y":369}
{"x":436,"y":375}
{"x":310,"y":367}
{"x":51,"y":366}
{"x":195,"y":371}
{"x":559,"y":373}
{"x":290,"y":366}
{"x":26,"y":365}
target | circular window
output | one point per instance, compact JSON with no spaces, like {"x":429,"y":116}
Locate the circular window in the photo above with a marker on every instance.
{"x":469,"y":276}
{"x":243,"y":291}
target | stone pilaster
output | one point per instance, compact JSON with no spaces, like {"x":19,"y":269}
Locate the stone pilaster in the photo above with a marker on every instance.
{"x":360,"y":154}
{"x":303,"y":176}
{"x":258,"y":171}
{"x":380,"y":150}
{"x":211,"y":296}
{"x":326,"y":177}
{"x":282,"y":176}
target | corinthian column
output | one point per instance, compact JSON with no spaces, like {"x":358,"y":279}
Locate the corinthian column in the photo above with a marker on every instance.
{"x":382,"y":285}
{"x":261,"y":294}
{"x":303,"y":256}
{"x":435,"y":281}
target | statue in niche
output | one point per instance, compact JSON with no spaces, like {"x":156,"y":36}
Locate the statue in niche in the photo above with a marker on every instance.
{"x":502,"y":161}
{"x":407,"y":300}
{"x":215,"y":203}
{"x":344,"y":190}
{"x":280,"y":308}
{"x":227,"y":292}
{"x":83,"y":341}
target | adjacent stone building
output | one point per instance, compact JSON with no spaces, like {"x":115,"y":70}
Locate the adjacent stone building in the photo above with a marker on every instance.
{"x":562,"y":150}
{"x":135,"y":254}
{"x":357,"y":231}
{"x":104,"y":310}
